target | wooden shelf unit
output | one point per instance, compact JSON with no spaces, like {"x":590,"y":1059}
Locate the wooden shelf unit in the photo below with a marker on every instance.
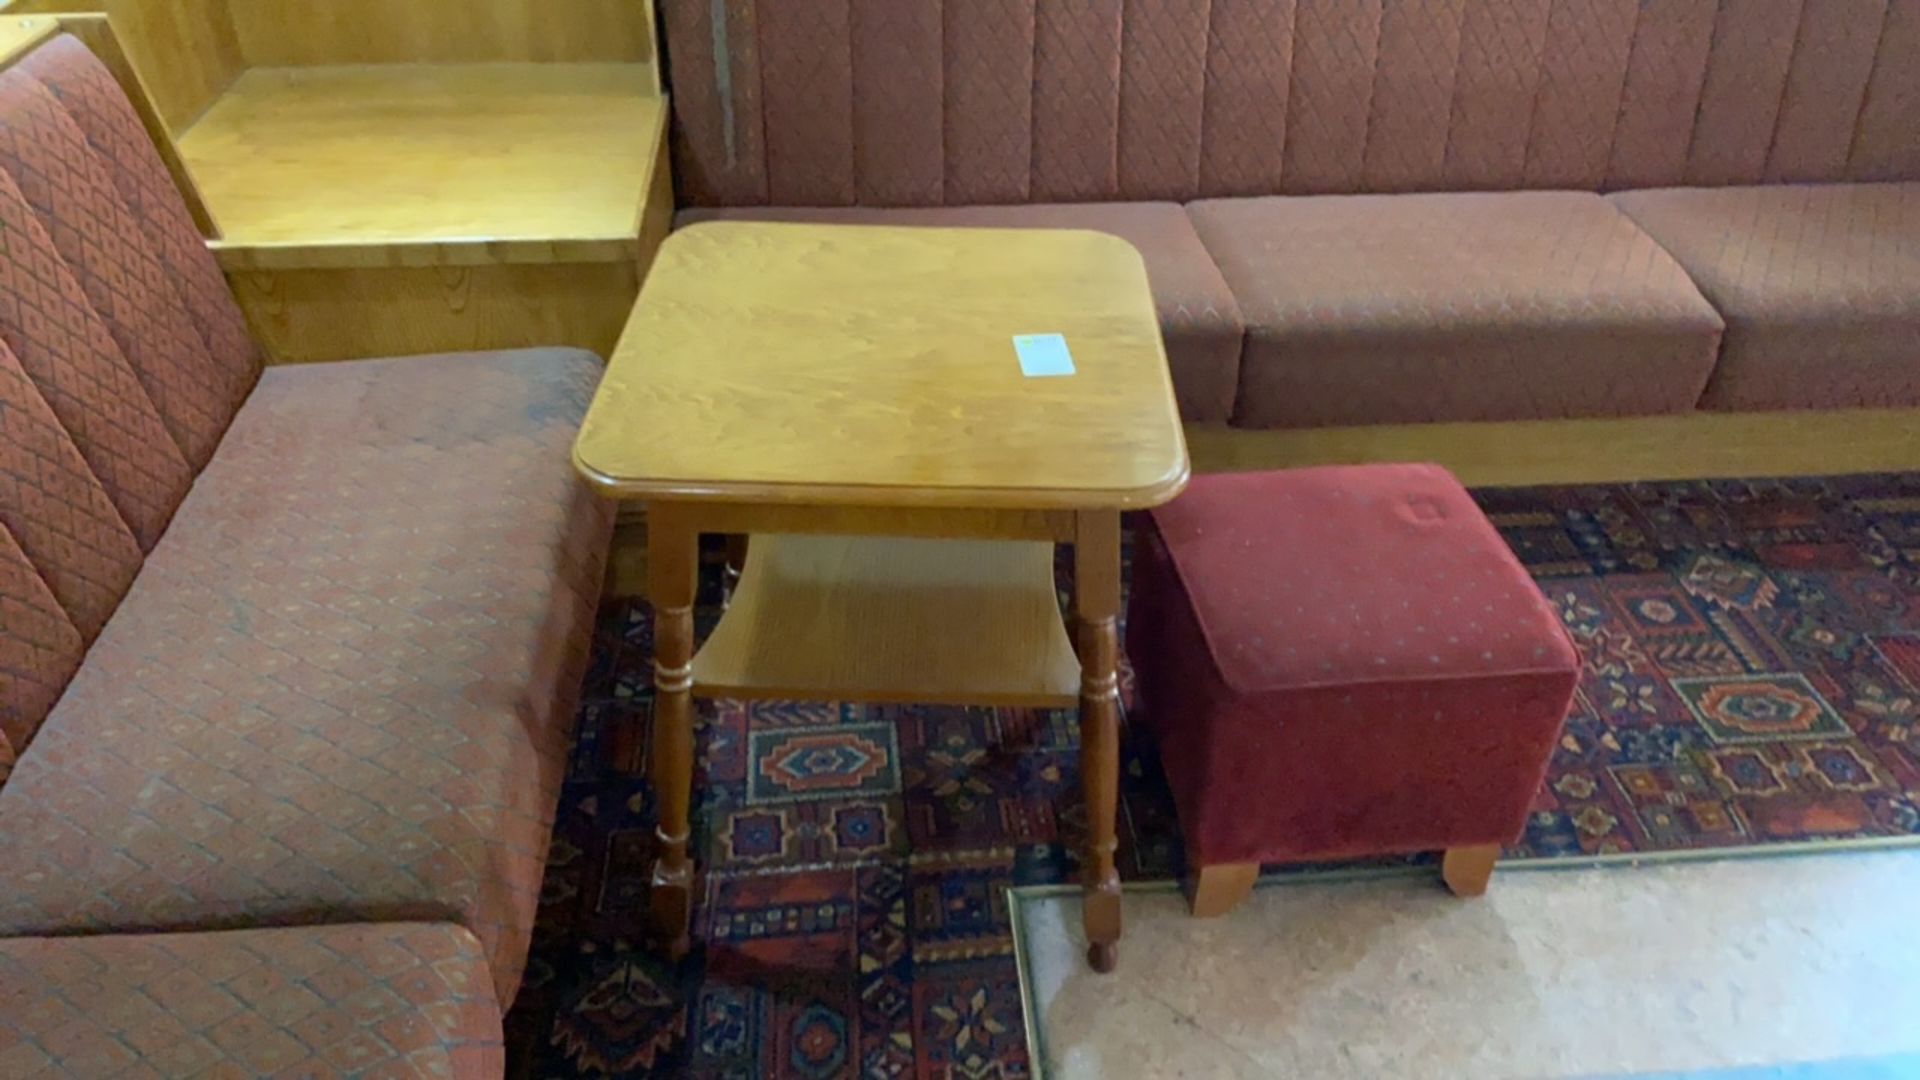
{"x":892,"y":619}
{"x":428,"y":164}
{"x":437,"y":175}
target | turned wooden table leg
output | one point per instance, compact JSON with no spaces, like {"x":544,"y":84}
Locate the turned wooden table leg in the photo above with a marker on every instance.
{"x":672,"y":565}
{"x":1096,"y":577}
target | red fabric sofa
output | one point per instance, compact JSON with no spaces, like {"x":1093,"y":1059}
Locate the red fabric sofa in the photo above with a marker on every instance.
{"x":289,"y":658}
{"x":1294,"y":172}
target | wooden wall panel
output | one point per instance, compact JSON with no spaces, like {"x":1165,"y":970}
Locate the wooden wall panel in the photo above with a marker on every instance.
{"x":1606,"y":451}
{"x":305,"y":316}
{"x":303,"y":32}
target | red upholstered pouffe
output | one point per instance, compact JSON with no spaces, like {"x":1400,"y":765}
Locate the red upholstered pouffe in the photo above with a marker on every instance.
{"x":1341,"y":662}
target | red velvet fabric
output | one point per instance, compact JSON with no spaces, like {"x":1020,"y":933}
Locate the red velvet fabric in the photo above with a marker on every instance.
{"x":1343,"y":661}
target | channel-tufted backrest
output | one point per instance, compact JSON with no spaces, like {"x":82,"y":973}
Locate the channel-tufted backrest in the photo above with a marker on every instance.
{"x":122,"y":360}
{"x":950,"y":102}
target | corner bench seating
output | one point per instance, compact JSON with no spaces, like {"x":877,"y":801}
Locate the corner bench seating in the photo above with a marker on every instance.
{"x":290,"y":657}
{"x":1366,"y":211}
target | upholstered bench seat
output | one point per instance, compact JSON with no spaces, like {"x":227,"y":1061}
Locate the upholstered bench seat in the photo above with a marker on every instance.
{"x":342,"y":685}
{"x":1198,"y":315}
{"x":395,"y":999}
{"x":1369,"y":309}
{"x":1819,"y":284}
{"x":1342,"y":662}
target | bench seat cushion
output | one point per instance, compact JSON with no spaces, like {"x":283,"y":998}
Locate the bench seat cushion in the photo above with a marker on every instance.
{"x":1380,"y":309}
{"x":1197,"y":313}
{"x":398,"y":999}
{"x":1819,"y":285}
{"x":343,"y":686}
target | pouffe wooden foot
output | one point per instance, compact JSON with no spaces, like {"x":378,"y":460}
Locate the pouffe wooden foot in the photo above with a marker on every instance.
{"x":1219,"y":888}
{"x":1467,"y":869}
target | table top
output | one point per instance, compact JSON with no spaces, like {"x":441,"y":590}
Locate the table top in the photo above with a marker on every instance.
{"x":866,"y":365}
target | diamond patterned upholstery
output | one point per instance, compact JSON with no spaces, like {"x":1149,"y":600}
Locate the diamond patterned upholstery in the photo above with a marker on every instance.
{"x":1076,"y":100}
{"x":1002,"y":101}
{"x":1408,"y":308}
{"x":129,"y":286}
{"x":1248,"y":90}
{"x":66,"y":350}
{"x":809,"y":147}
{"x":1819,"y":284}
{"x":988,"y":78}
{"x":1197,"y":314}
{"x":95,"y":103}
{"x":56,"y":510}
{"x":38,"y":653}
{"x":342,"y":687}
{"x":399,"y":999}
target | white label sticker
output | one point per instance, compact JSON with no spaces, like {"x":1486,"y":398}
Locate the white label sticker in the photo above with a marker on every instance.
{"x":1042,"y":355}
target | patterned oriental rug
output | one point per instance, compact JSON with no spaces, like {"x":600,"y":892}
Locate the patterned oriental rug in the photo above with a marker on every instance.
{"x":1752,"y":679}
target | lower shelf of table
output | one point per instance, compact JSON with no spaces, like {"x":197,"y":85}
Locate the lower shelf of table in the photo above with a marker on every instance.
{"x":893,"y":620}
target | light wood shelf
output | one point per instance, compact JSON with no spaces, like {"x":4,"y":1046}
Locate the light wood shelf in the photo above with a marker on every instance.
{"x":892,"y":620}
{"x":398,"y":165}
{"x":19,"y":34}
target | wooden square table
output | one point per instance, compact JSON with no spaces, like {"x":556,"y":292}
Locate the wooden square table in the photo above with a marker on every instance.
{"x":850,"y":397}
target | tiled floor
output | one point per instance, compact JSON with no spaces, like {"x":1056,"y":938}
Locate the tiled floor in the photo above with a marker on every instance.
{"x":1787,"y":966}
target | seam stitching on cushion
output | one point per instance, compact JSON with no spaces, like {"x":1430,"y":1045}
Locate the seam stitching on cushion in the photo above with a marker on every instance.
{"x":723,"y":79}
{"x":1358,"y":179}
{"x":1368,"y":125}
{"x":1033,"y":93}
{"x":1453,"y":94}
{"x":940,"y":28}
{"x":1206,"y":92}
{"x":1193,"y":177}
{"x":766,"y":159}
{"x":1767,"y":170}
{"x":1700,"y":102}
{"x":1620,"y":107}
{"x":173,"y":283}
{"x":1539,"y":81}
{"x":1119,"y":70}
{"x":40,"y":574}
{"x":853,"y":121}
{"x":1847,"y":170}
